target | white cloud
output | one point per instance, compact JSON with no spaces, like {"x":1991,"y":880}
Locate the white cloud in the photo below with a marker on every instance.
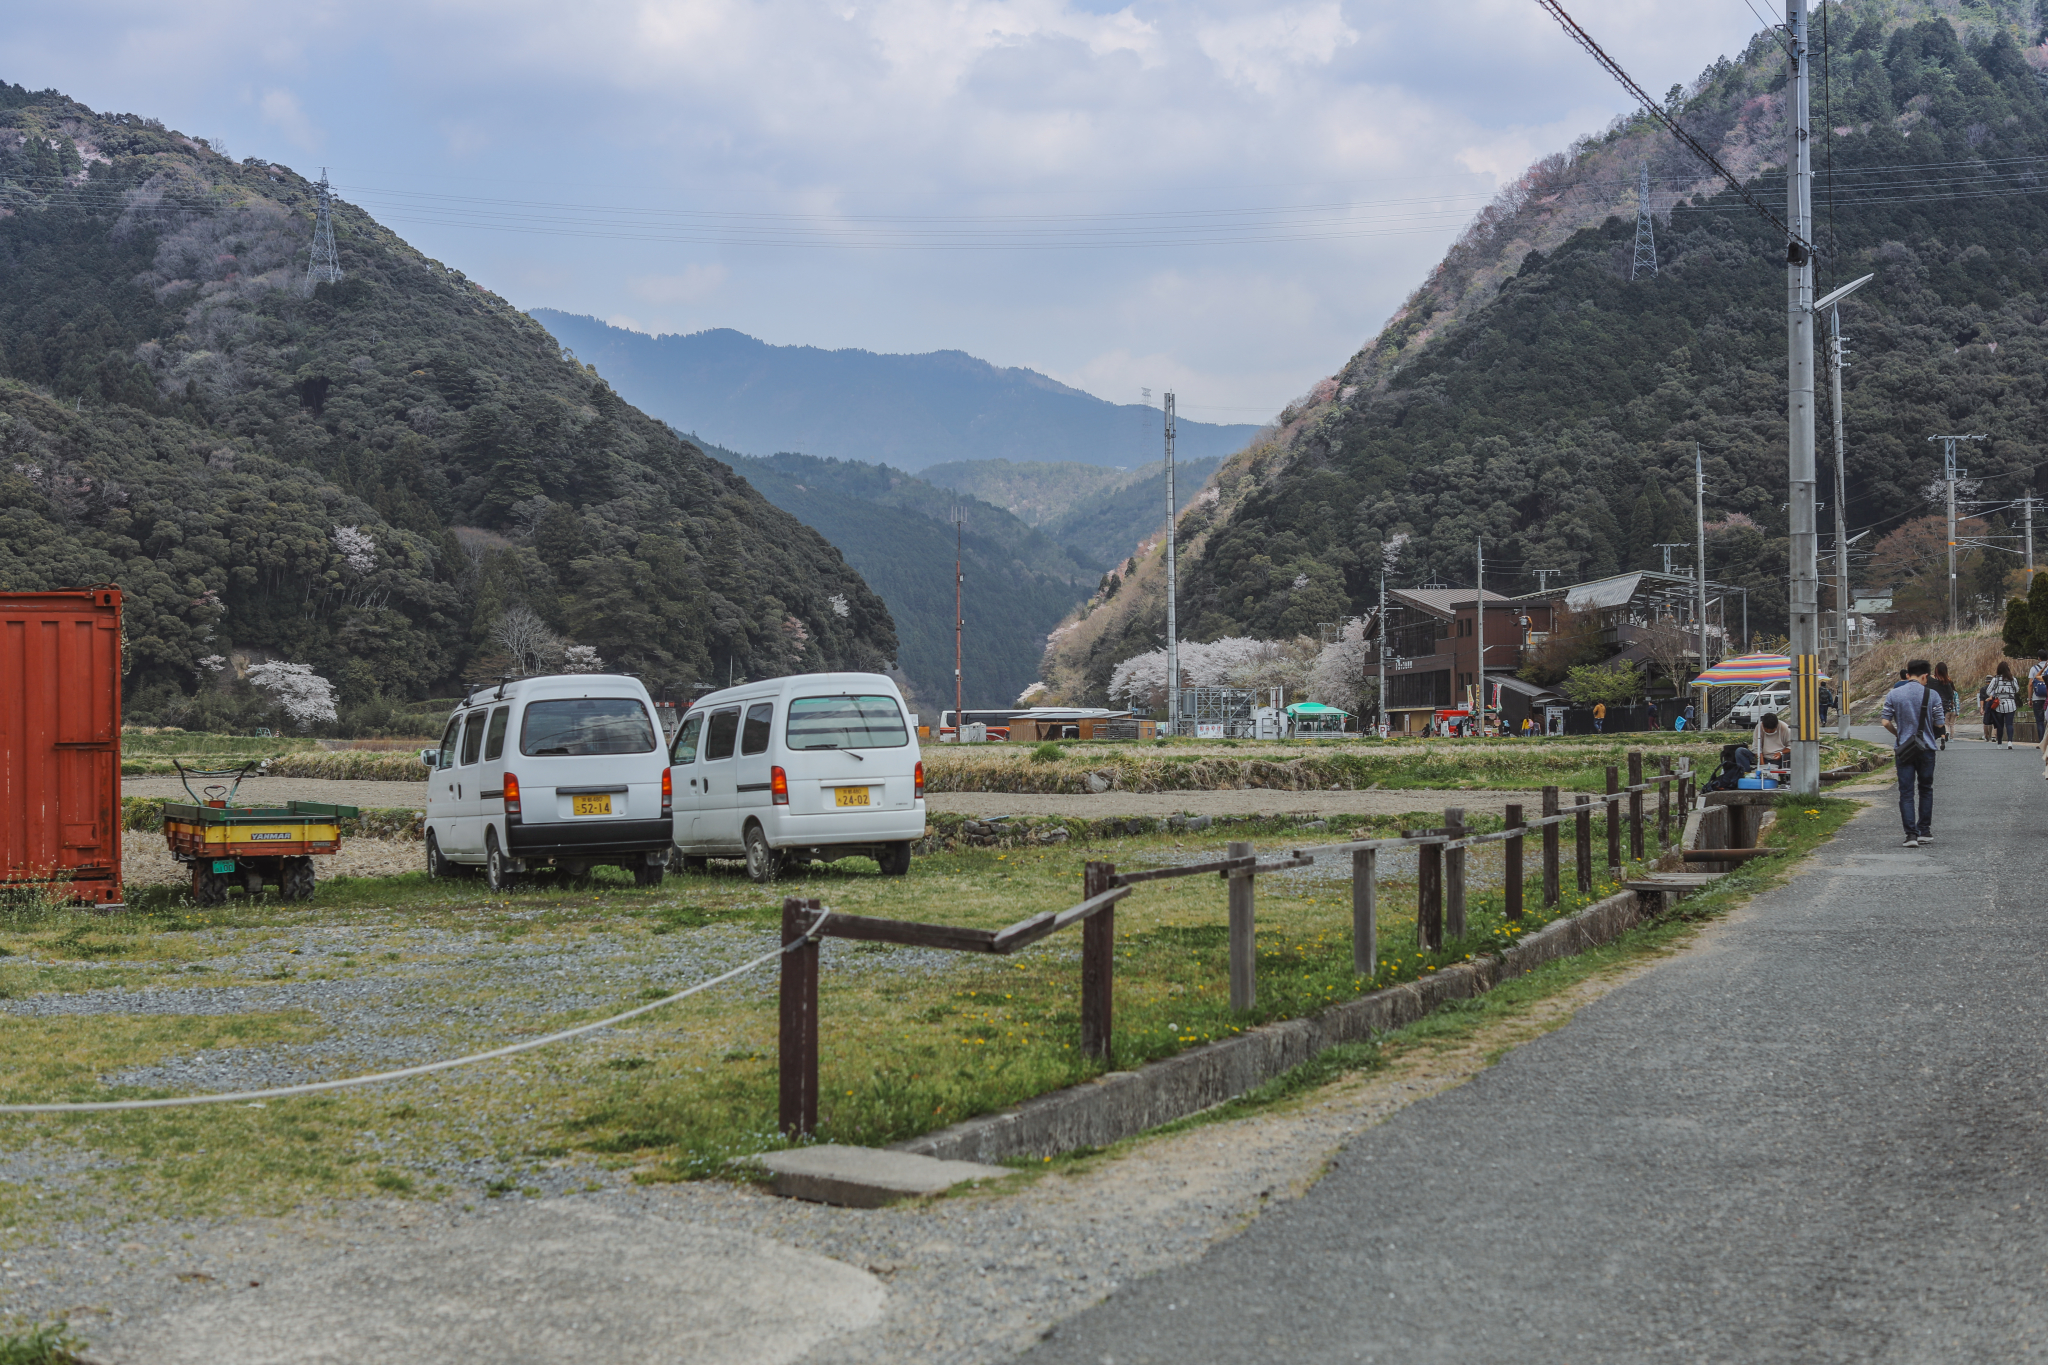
{"x":281,"y":111}
{"x":695,"y":284}
{"x":1266,"y":50}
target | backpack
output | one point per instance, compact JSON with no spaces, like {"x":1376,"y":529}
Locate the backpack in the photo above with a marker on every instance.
{"x":1736,"y":764}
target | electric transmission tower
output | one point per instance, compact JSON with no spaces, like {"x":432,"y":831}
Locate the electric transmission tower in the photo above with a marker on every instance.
{"x":325,"y":265}
{"x":1646,"y":240}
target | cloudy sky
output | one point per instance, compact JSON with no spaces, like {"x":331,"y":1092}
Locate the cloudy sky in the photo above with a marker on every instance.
{"x":1222,"y":198}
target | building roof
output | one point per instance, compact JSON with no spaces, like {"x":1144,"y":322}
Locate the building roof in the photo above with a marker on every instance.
{"x":1441,"y":601}
{"x":1603,"y":592}
{"x":1534,"y":691}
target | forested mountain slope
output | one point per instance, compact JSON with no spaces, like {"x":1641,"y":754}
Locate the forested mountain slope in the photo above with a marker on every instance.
{"x":360,"y":476}
{"x":1533,"y":397}
{"x":894,"y":528}
{"x":1099,"y":515}
{"x":908,"y":411}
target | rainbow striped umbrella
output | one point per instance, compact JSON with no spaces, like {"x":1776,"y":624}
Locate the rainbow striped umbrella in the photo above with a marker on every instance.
{"x":1748,"y":669}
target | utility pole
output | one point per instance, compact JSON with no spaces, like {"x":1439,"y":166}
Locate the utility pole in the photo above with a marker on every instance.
{"x":1543,"y":577}
{"x":959,"y":520}
{"x":1949,"y":475}
{"x":1479,"y":628}
{"x":1667,"y":549}
{"x":2028,"y":503}
{"x":324,"y":265}
{"x":1383,"y":642}
{"x":1840,"y":359}
{"x":1646,"y":237}
{"x":1172,"y":586}
{"x":1799,"y":412}
{"x":1699,"y":523}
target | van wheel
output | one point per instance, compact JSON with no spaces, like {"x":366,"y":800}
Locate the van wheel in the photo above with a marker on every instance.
{"x":497,"y":867}
{"x":762,"y":864}
{"x":895,"y":859}
{"x":438,"y":866}
{"x":649,"y":874}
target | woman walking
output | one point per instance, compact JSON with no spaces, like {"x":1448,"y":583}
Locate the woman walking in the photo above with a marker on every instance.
{"x":1943,"y":685}
{"x":2001,"y":700}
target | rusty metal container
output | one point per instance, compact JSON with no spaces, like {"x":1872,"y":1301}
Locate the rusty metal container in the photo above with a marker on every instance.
{"x":60,"y":743}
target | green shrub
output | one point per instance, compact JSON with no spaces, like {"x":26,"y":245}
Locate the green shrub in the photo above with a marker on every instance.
{"x":1047,"y":752}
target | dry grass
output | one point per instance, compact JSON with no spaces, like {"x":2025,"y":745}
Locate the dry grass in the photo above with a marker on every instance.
{"x":1971,"y":657}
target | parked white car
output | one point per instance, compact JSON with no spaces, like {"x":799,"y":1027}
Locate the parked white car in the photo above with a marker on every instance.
{"x":819,"y":766}
{"x":1751,"y":707}
{"x":566,"y":769}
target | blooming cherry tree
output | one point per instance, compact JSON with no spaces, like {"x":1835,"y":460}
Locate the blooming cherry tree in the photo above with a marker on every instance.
{"x":304,"y":695}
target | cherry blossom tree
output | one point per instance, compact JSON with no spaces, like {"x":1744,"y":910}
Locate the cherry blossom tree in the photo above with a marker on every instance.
{"x":303,"y":695}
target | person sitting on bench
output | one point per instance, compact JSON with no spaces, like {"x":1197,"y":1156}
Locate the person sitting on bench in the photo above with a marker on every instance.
{"x":1772,"y":742}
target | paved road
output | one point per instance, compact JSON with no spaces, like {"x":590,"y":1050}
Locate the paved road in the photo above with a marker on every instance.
{"x":1818,"y":1136}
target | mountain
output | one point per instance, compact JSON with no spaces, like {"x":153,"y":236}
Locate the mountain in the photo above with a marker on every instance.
{"x":1099,"y":515}
{"x":907,"y":411}
{"x":894,"y":528}
{"x":1531,"y":397}
{"x":363,"y":476}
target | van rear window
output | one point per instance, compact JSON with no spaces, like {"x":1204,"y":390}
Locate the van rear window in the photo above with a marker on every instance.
{"x":586,"y":727}
{"x":846,"y":723}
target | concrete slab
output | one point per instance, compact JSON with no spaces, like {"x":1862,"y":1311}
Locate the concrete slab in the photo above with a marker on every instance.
{"x":557,"y":1281}
{"x":868,"y":1177}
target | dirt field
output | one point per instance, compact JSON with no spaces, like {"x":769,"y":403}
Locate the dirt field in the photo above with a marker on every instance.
{"x":1256,"y":801}
{"x":407,"y":795}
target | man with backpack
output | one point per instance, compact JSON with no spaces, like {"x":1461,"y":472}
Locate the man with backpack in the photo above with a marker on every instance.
{"x":1827,"y":704}
{"x":2037,"y":690}
{"x":1913,"y":713}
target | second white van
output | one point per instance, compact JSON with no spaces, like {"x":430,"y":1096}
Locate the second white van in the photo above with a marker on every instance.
{"x":818,"y":766}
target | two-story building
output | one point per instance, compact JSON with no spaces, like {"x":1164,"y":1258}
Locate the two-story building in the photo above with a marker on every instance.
{"x":1433,"y":637}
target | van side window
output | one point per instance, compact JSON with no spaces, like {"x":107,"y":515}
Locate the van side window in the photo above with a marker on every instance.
{"x":472,"y":737}
{"x":754,"y":740}
{"x":494,"y":738}
{"x":686,"y":740}
{"x":719,"y":735}
{"x":447,"y":759}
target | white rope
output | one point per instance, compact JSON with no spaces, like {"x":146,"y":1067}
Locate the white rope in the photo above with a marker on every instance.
{"x":105,"y":1106}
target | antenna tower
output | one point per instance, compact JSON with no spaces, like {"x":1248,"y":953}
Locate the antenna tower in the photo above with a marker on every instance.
{"x":325,"y":265}
{"x":1646,"y":238}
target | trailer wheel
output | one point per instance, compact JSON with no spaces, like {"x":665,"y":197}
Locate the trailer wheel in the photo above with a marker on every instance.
{"x":208,"y":887}
{"x":297,"y":884}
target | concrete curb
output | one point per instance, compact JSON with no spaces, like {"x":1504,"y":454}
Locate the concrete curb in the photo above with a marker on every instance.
{"x":1125,"y":1103}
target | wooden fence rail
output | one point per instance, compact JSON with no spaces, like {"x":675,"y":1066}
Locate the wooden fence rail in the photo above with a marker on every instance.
{"x":1440,"y":912}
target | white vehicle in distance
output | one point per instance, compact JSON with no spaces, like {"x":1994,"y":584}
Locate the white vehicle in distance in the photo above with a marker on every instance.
{"x":819,"y":766}
{"x":1751,"y":707}
{"x":564,"y":769}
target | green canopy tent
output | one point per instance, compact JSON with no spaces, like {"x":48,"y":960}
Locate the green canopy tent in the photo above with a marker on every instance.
{"x":1313,"y":717}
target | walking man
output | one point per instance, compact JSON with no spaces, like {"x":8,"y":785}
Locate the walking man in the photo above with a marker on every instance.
{"x":1599,"y":716}
{"x":2037,"y":690}
{"x":1913,"y":713}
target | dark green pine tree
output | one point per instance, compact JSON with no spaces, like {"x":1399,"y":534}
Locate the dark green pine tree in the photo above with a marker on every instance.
{"x":1647,"y":525}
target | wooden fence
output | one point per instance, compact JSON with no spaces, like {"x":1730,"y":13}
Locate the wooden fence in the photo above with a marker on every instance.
{"x":1439,"y":910}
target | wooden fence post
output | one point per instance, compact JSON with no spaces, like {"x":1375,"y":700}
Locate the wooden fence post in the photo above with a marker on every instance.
{"x":1098,"y":963}
{"x":1365,"y":923}
{"x":1514,"y":860}
{"x":1244,"y":966}
{"x":1613,"y":816}
{"x":797,"y":1045}
{"x":1585,"y":842}
{"x":1454,"y":875}
{"x":1635,"y":805}
{"x":1429,"y":897}
{"x":1550,"y":843}
{"x":1664,"y":802}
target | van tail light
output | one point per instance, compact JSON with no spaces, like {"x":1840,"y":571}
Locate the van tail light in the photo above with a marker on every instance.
{"x":778,"y":786}
{"x":511,"y":797}
{"x":917,"y":793}
{"x":668,"y":792}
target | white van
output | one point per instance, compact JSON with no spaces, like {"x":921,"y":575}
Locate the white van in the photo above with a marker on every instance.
{"x":565,"y":769}
{"x":1751,"y":707}
{"x":816,"y":766}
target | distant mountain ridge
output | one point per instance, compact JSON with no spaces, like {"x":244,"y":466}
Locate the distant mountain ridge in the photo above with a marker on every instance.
{"x":908,"y":411}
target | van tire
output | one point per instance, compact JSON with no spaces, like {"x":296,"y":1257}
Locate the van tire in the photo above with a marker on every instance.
{"x":497,"y":867}
{"x":648,"y":874}
{"x":894,"y":859}
{"x":762,"y":862}
{"x":438,"y":866}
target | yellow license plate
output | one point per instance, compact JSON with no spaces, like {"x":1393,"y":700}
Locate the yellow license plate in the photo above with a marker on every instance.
{"x":593,"y":805}
{"x":850,"y":796}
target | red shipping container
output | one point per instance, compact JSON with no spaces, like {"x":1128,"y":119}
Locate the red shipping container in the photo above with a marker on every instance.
{"x":60,"y":742}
